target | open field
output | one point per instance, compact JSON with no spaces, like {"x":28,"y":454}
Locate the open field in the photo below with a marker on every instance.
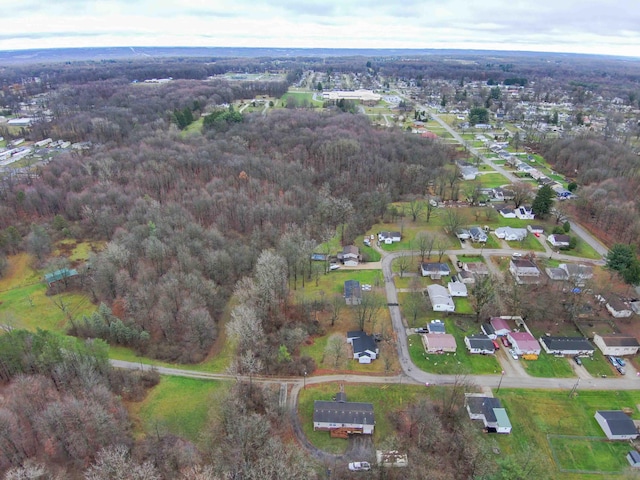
{"x":492,"y":180}
{"x":537,"y":414}
{"x":548,"y":366}
{"x":180,"y":406}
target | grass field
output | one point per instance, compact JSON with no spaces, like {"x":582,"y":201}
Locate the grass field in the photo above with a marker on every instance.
{"x":528,"y":244}
{"x":492,"y":180}
{"x":178,"y":405}
{"x":588,"y":454}
{"x":548,"y":366}
{"x":583,"y":249}
{"x":541,"y":413}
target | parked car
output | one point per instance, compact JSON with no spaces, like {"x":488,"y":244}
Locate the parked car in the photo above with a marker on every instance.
{"x":422,"y":330}
{"x":359,"y":466}
{"x":513,"y":354}
{"x":620,"y":361}
{"x":334,"y":266}
{"x":516,"y":254}
{"x":577,"y":360}
{"x":621,"y":370}
{"x":505,"y":342}
{"x":496,"y":345}
{"x":612,"y":360}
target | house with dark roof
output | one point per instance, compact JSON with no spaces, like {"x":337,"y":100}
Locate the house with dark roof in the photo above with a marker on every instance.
{"x":567,"y":346}
{"x":479,"y":344}
{"x":352,"y":292}
{"x":488,"y":330}
{"x":616,"y":424}
{"x":389,"y":237}
{"x":556,"y":274}
{"x":536,"y":229}
{"x":507,"y":212}
{"x":343,"y":418}
{"x":616,"y":344}
{"x":436,"y":326}
{"x":478,"y":235}
{"x":475,"y":268}
{"x":634,"y":458}
{"x":365,"y":348}
{"x":559,"y":240}
{"x":457,"y":289}
{"x":489,"y":410}
{"x":434,"y":270}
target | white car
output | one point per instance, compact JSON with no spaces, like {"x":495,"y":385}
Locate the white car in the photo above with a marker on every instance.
{"x":359,"y":466}
{"x":513,"y":354}
{"x":334,"y":266}
{"x":516,"y":254}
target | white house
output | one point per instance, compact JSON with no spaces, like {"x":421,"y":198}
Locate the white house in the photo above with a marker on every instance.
{"x":500,"y":326}
{"x":524,"y":270}
{"x":389,"y":237}
{"x":511,"y":234}
{"x":365,"y":348}
{"x":468,"y":172}
{"x":616,"y":424}
{"x":535,"y":229}
{"x":441,"y":300}
{"x":345,"y":417}
{"x":507,"y":212}
{"x":478,"y":235}
{"x":479,"y":344}
{"x":439,"y":342}
{"x":457,"y":289}
{"x":350,"y":256}
{"x":567,"y":346}
{"x":524,"y":213}
{"x":489,"y":410}
{"x":616,"y":344}
{"x":616,"y":307}
{"x":559,"y":240}
{"x":578,"y":274}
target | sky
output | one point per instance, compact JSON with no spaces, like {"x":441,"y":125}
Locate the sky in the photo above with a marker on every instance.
{"x":610,"y":27}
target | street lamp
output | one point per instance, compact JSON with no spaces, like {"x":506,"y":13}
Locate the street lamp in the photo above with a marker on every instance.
{"x":500,"y":382}
{"x":305,"y":380}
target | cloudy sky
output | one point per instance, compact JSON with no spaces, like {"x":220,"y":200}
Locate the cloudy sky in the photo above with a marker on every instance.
{"x":580,"y":26}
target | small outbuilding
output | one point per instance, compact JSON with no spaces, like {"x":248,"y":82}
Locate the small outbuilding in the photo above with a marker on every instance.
{"x":634,"y":458}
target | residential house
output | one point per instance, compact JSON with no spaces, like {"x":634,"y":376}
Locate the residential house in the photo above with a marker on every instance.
{"x":478,"y":235}
{"x":468,"y":172}
{"x":535,"y":229}
{"x":342,"y":418}
{"x":524,"y":343}
{"x":436,"y":326}
{"x":439,"y":342}
{"x":525,"y":213}
{"x":475,"y":268}
{"x":500,"y":326}
{"x":488,"y":330}
{"x":441,"y":300}
{"x":466,"y":277}
{"x":524,"y":270}
{"x":457,"y":289}
{"x":365,"y":348}
{"x":352,"y":292}
{"x":578,"y":274}
{"x":350,"y":256}
{"x":479,"y":344}
{"x":615,"y":305}
{"x":616,"y":344}
{"x":511,"y":234}
{"x":559,"y":240}
{"x":616,"y":425}
{"x":567,"y":346}
{"x":556,"y":274}
{"x":463,"y":234}
{"x":434,"y":270}
{"x":490,"y":411}
{"x":389,"y":237}
{"x":507,"y":212}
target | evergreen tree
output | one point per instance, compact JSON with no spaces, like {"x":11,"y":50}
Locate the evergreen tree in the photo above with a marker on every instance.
{"x":544,"y":201}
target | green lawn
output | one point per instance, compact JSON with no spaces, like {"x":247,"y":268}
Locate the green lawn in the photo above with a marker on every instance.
{"x":492,"y":180}
{"x":528,"y":244}
{"x":536,"y":414}
{"x":548,"y":366}
{"x":597,"y":365}
{"x":180,"y":406}
{"x":302,"y":98}
{"x":385,"y":399}
{"x":470,"y":258}
{"x":595,"y":455}
{"x":583,"y":249}
{"x":453,"y":363}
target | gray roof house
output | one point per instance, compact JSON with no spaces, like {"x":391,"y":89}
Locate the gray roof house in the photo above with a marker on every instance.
{"x":441,"y":300}
{"x":479,"y":344}
{"x":567,"y":346}
{"x":616,"y":424}
{"x":365,"y":348}
{"x":616,"y":344}
{"x":352,"y":292}
{"x":577,"y":273}
{"x":489,"y":410}
{"x":488,"y":330}
{"x":478,"y":235}
{"x":436,"y":326}
{"x":347,"y":417}
{"x":559,"y":240}
{"x":434,"y":270}
{"x":524,"y":270}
